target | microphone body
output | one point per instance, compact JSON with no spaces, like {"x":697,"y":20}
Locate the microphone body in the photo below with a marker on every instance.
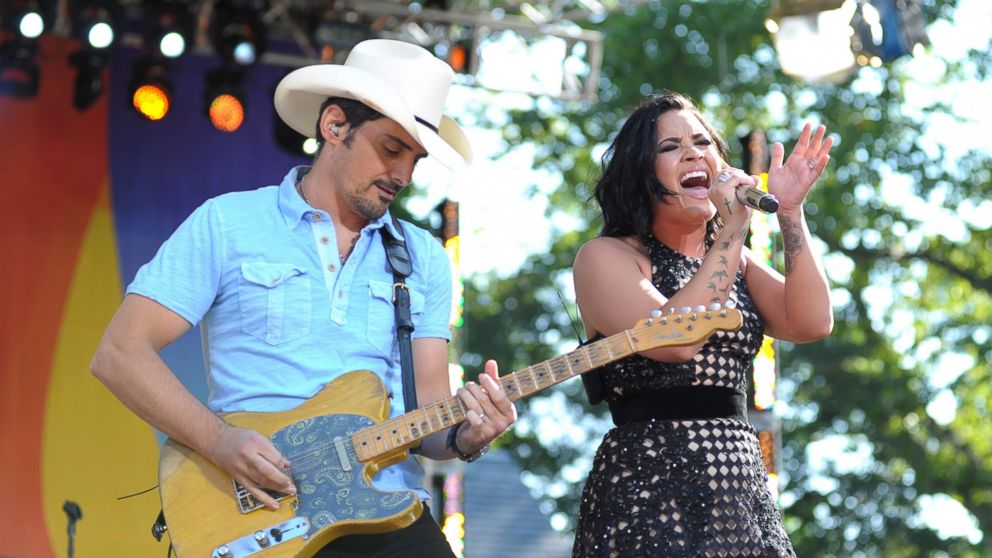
{"x":757,"y":199}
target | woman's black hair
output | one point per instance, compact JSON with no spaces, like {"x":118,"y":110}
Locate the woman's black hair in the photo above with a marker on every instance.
{"x":628,"y":190}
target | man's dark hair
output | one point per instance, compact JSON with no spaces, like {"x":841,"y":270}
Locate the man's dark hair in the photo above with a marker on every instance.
{"x":356,"y":113}
{"x":628,"y":190}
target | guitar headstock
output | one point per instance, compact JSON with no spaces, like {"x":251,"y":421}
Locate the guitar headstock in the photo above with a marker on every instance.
{"x":688,"y":327}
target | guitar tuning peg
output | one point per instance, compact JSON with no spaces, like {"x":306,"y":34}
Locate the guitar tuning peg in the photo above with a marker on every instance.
{"x":655,"y":313}
{"x":685,"y":310}
{"x":715,"y":306}
{"x":700,"y":308}
{"x":671,"y":310}
{"x":731,"y":304}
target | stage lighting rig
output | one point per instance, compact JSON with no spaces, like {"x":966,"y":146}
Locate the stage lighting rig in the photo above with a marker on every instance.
{"x":237,"y":30}
{"x":168,"y":27}
{"x":151,"y":89}
{"x":95,"y":22}
{"x":19,"y":73}
{"x":224,"y":101}
{"x":89,"y":64}
{"x":29,"y":19}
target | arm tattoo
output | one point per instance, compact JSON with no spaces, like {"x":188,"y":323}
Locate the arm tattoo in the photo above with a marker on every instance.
{"x":723,"y":261}
{"x":727,"y":203}
{"x":721,"y":274}
{"x":792,"y":240}
{"x":725,"y":246}
{"x":712,"y":287}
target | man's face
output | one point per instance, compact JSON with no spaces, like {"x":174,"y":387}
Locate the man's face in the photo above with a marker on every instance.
{"x":373,"y":164}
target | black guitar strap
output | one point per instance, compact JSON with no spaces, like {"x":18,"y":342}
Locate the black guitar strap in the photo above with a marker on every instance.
{"x":399,"y":261}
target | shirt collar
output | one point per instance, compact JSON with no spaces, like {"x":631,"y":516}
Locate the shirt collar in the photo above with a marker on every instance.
{"x":293,"y":207}
{"x":291,"y":204}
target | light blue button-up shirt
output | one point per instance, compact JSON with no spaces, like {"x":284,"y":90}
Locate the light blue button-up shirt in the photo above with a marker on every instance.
{"x":280,"y":315}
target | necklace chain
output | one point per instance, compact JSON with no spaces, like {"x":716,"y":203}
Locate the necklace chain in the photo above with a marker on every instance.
{"x":303,"y":191}
{"x":354,"y":240}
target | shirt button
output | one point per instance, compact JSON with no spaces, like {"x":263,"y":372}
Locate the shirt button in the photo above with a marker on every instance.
{"x":275,"y":280}
{"x":324,"y":240}
{"x":340,"y":294}
{"x":316,"y":216}
{"x":331,"y":267}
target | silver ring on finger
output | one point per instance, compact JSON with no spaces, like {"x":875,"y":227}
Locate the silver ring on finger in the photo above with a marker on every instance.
{"x":723,"y":176}
{"x":812,"y":163}
{"x":482,"y":416}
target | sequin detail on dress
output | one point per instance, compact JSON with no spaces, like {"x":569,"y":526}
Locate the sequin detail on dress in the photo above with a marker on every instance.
{"x":688,"y":488}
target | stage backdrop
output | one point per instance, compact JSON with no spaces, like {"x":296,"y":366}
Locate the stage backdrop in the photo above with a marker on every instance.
{"x":87,"y":198}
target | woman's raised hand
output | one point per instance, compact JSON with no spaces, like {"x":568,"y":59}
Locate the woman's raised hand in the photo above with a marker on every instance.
{"x":791,"y":181}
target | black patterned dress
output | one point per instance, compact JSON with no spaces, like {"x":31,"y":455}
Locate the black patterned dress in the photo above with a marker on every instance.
{"x":682,"y":488}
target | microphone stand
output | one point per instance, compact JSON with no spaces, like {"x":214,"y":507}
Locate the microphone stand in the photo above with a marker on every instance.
{"x":74,"y":514}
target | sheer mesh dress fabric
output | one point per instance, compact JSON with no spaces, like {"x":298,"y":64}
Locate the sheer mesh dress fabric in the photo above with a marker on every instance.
{"x":682,"y":488}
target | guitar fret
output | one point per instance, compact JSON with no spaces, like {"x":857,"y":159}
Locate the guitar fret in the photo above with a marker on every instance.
{"x":596,"y":354}
{"x":578,"y":362}
{"x":559,"y":367}
{"x":529,"y":381}
{"x":516,"y":385}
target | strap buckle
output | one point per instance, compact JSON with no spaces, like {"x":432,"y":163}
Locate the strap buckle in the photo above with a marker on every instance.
{"x":396,"y":287}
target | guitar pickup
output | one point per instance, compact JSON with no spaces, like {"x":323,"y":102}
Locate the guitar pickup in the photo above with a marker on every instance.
{"x":261,"y":540}
{"x":247,"y":503}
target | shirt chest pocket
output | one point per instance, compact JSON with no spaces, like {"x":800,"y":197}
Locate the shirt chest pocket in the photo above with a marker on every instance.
{"x":381,"y":327}
{"x":275,"y":301}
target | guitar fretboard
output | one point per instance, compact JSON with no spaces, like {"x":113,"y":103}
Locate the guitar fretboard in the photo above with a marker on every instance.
{"x":406,"y":430}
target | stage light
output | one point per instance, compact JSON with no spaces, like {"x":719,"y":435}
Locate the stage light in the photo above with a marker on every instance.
{"x":168,"y":27}
{"x":32,"y":25}
{"x":88,"y":86}
{"x":223,"y":99}
{"x":19,"y":74}
{"x":151,"y":90}
{"x":28,"y":18}
{"x":94,"y":22}
{"x":238,"y":33}
{"x":885,"y":30}
{"x":813,"y":38}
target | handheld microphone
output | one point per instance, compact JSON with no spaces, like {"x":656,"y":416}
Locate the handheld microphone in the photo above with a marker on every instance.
{"x":757,"y":199}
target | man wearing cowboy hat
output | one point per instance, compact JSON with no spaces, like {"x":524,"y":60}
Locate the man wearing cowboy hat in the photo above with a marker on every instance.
{"x":292,"y":288}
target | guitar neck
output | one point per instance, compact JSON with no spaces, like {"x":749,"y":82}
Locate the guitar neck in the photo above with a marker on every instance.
{"x":408,"y":429}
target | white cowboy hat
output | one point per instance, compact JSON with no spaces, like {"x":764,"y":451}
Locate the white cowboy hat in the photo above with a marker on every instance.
{"x":402,"y":81}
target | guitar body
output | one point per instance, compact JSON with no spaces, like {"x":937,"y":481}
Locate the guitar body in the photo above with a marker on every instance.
{"x":335,"y":497}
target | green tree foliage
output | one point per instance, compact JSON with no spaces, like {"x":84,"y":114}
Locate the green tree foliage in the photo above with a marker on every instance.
{"x":912,"y":299}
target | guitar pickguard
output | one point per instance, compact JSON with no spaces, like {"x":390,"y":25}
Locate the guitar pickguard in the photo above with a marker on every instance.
{"x":330,"y":481}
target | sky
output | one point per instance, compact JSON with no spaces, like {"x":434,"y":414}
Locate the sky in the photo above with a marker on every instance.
{"x":504,"y":207}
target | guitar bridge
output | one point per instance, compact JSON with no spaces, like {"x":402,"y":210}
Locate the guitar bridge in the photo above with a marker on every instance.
{"x":260,"y":540}
{"x":247,"y":503}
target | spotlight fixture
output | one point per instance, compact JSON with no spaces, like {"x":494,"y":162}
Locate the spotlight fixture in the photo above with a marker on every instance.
{"x":237,"y":31}
{"x":19,"y":73}
{"x":94,"y":22}
{"x":151,"y":90}
{"x":89,"y":64}
{"x":28,"y":18}
{"x":168,"y":27}
{"x":813,"y":38}
{"x":224,"y":102}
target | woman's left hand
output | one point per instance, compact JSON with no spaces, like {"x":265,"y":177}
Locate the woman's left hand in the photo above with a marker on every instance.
{"x":791,"y":181}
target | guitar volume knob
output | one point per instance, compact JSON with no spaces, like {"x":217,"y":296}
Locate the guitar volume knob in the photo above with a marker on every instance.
{"x":262,"y":539}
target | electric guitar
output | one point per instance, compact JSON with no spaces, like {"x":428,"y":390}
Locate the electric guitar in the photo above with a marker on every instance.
{"x":341,"y":437}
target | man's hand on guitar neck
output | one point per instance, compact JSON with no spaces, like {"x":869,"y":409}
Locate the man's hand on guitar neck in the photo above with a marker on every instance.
{"x":253,"y":461}
{"x":489,"y":411}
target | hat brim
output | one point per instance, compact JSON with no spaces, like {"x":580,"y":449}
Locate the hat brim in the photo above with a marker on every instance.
{"x":299,"y":95}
